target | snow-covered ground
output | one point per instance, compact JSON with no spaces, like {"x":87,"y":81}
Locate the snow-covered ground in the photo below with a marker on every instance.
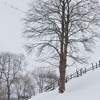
{"x":86,"y":87}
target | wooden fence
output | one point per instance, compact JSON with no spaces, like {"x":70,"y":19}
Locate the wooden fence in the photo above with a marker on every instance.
{"x":77,"y":74}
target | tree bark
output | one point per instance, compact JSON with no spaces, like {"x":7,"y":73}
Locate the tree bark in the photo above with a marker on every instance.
{"x":64,"y":44}
{"x":62,"y":55}
{"x":62,"y":74}
{"x":8,"y":92}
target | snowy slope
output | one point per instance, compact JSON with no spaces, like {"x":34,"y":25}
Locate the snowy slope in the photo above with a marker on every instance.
{"x":86,"y":87}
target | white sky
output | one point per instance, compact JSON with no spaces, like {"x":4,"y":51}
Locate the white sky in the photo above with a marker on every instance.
{"x":11,"y":28}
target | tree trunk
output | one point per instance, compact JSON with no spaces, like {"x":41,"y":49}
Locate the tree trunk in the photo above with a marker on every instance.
{"x":62,"y":69}
{"x":8,"y":93}
{"x":63,"y":48}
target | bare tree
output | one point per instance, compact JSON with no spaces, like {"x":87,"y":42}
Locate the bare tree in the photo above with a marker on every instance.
{"x":25,"y":86}
{"x":50,"y":76}
{"x":44,"y":77}
{"x":29,"y":86}
{"x":11,"y":64}
{"x":62,"y":30}
{"x":3,"y":93}
{"x":38,"y":77}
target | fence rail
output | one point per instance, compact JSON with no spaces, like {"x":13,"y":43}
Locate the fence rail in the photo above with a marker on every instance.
{"x":77,"y":74}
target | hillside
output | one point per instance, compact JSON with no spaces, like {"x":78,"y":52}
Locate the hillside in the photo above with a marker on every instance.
{"x":86,"y":87}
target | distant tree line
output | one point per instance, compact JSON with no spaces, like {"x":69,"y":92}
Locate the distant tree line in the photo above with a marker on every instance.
{"x":18,"y":84}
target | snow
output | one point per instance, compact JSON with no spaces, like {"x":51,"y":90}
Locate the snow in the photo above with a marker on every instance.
{"x":86,"y":87}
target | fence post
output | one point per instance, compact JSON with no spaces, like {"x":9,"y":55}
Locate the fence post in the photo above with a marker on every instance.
{"x":96,"y":65}
{"x":53,"y":86}
{"x":84,"y":70}
{"x":45,"y":89}
{"x":81,"y":72}
{"x":70,"y":76}
{"x":99,"y":63}
{"x":66,"y":80}
{"x":92,"y":66}
{"x":77,"y":74}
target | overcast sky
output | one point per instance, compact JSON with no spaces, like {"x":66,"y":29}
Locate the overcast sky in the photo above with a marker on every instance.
{"x":11,"y":28}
